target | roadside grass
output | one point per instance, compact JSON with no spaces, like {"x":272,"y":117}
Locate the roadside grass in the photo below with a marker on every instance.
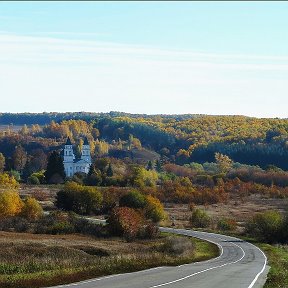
{"x":33,"y":264}
{"x":278,"y":260}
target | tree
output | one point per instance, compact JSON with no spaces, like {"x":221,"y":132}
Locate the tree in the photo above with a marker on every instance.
{"x":141,"y":177}
{"x":158,"y":166}
{"x":149,"y":165}
{"x":31,"y":210}
{"x":94,"y":177}
{"x":133,"y":199}
{"x":2,"y":162}
{"x":224,"y":162}
{"x":55,"y":169}
{"x":109,"y":171}
{"x":154,"y":209}
{"x":200,"y":219}
{"x":125,"y":221}
{"x":80,"y":199}
{"x":10,"y":204}
{"x":24,"y":130}
{"x":7,"y":181}
{"x":19,"y":158}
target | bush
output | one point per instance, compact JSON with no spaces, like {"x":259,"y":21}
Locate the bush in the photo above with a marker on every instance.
{"x":31,"y":210}
{"x":125,"y":221}
{"x":61,"y":228}
{"x":200,"y":219}
{"x":40,"y":176}
{"x":55,"y":223}
{"x":154,"y":210}
{"x":267,"y":227}
{"x":133,"y":199}
{"x":33,"y":180}
{"x":177,"y":245}
{"x":85,"y":226}
{"x":17,"y":224}
{"x":225,"y":224}
{"x":150,"y":231}
{"x":80,"y":199}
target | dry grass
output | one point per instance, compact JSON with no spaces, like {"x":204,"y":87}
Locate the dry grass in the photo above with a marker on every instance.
{"x":238,"y":209}
{"x":29,"y":260}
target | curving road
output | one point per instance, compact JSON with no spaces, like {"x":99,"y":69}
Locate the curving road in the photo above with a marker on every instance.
{"x":240,"y":265}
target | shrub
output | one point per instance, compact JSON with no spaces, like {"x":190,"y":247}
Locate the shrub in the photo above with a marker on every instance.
{"x":10,"y":203}
{"x":31,"y":210}
{"x":40,"y":176}
{"x":154,"y":210}
{"x":125,"y":221}
{"x":33,"y":180}
{"x":80,"y":199}
{"x":61,"y":228}
{"x":17,"y":224}
{"x":267,"y":226}
{"x":177,"y":245}
{"x":85,"y":226}
{"x":133,"y":199}
{"x":200,"y":219}
{"x":55,"y":223}
{"x":150,"y":231}
{"x":225,"y":224}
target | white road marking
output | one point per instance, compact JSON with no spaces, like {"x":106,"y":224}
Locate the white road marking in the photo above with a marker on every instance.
{"x":183,"y":232}
{"x":262,"y":270}
{"x":107,"y":277}
{"x":202,"y":271}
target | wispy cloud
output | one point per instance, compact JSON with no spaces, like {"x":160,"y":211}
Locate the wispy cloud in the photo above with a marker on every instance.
{"x":86,"y":75}
{"x":19,"y":49}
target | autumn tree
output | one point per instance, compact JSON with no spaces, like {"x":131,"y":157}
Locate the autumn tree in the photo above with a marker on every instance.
{"x":10,"y":203}
{"x":2,"y":162}
{"x":125,"y":221}
{"x":8,"y":181}
{"x":19,"y":158}
{"x":224,"y":162}
{"x":80,"y":199}
{"x":133,"y":199}
{"x":31,"y":210}
{"x":154,"y":209}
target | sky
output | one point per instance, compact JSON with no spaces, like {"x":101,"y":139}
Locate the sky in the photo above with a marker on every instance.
{"x":145,"y":57}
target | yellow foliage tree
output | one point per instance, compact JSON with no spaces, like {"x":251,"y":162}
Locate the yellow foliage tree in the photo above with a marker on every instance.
{"x":154,"y":209}
{"x":10,"y":204}
{"x":7,"y":181}
{"x":31,"y":210}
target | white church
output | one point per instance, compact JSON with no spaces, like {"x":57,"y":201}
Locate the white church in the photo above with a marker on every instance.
{"x":73,"y":165}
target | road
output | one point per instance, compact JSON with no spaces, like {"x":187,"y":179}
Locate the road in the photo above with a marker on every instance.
{"x":240,"y":265}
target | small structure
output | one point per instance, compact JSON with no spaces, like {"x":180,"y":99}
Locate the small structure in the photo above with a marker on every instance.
{"x":73,"y":165}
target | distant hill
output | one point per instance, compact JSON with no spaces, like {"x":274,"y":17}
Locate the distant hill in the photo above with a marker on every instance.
{"x":181,"y":138}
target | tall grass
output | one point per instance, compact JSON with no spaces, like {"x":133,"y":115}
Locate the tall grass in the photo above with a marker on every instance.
{"x":24,"y":265}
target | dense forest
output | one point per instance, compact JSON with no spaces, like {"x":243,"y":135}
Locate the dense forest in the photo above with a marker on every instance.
{"x":180,"y":139}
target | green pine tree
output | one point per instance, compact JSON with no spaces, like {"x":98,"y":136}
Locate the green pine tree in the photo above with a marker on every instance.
{"x":149,"y":165}
{"x":110,"y":171}
{"x":55,"y":172}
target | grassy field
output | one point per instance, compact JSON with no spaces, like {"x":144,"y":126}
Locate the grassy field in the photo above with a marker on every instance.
{"x":31,"y":260}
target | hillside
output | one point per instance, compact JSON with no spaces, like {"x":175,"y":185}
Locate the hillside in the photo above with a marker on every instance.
{"x":180,"y":138}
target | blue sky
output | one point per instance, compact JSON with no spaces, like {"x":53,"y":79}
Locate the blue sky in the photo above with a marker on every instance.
{"x":145,"y":57}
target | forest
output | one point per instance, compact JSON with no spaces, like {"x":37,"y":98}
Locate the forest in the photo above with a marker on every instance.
{"x":180,"y":139}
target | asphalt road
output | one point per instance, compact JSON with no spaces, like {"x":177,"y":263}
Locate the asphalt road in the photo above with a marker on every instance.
{"x":240,"y":265}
